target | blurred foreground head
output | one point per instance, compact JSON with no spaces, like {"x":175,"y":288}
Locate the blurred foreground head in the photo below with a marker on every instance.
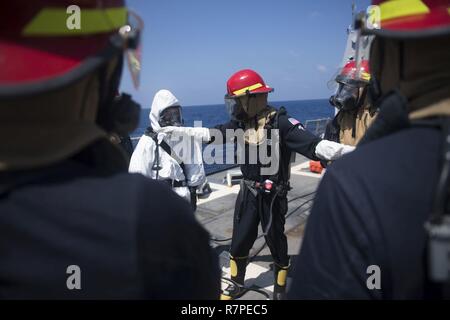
{"x":411,"y":50}
{"x":60,"y":68}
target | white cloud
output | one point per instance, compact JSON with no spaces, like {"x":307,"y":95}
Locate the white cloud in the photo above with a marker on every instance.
{"x":321,"y":68}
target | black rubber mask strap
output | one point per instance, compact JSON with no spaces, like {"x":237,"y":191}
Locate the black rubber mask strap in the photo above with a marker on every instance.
{"x":108,"y":88}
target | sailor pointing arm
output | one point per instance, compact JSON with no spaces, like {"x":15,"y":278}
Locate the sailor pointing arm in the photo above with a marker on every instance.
{"x":292,"y":133}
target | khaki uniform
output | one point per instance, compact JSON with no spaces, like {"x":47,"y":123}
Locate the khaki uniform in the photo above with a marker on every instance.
{"x":441,"y":108}
{"x":347,"y":123}
{"x":255,"y":129}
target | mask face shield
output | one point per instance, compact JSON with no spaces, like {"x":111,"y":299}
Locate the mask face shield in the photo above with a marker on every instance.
{"x":245,"y":106}
{"x":346,"y":97}
{"x":350,"y":86}
{"x":362,"y":56}
{"x":349,"y":55}
{"x":132,"y":33}
{"x":171,"y":116}
{"x":354,"y":76}
{"x":235,"y":109}
{"x":331,"y":100}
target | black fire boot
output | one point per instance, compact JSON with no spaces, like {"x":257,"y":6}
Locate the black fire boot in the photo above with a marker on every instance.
{"x":279,"y":288}
{"x":238,"y":266}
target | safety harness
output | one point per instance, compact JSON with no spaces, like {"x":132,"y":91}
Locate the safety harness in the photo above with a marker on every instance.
{"x":276,"y":185}
{"x":149,"y":132}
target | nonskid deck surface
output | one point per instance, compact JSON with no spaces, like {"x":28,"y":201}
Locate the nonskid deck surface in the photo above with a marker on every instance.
{"x":215,"y":213}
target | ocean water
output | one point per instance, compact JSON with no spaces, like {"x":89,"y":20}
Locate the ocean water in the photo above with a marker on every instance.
{"x":211,"y":115}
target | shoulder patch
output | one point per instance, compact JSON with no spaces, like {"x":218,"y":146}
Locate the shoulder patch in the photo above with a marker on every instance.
{"x":294,"y":121}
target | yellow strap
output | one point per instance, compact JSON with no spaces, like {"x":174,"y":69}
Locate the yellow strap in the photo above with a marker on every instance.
{"x":249,"y":88}
{"x":365,"y":76}
{"x":281,"y":278}
{"x":225,"y":297}
{"x":401,"y":8}
{"x":53,"y":22}
{"x":233,"y":268}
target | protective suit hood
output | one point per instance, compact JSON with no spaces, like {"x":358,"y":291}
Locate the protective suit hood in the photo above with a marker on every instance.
{"x":163,"y":99}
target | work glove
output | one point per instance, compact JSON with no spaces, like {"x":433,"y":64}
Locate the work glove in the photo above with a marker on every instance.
{"x":196,"y":132}
{"x":329,"y":150}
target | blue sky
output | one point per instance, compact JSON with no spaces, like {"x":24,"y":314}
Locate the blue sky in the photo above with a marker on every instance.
{"x":192,"y":47}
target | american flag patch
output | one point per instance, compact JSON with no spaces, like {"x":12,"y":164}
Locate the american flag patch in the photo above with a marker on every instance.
{"x":293,"y":121}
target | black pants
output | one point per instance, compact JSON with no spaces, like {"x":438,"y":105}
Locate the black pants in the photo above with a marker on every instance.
{"x":249,"y":211}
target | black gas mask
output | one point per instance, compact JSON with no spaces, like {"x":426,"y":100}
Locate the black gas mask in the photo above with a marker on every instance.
{"x":347,"y":97}
{"x":171,"y":117}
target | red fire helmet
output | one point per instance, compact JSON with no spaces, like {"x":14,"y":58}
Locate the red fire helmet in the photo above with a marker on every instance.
{"x":414,"y":18}
{"x":246,"y":81}
{"x":349,"y":72}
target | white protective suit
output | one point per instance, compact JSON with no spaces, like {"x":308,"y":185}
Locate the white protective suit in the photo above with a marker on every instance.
{"x":144,"y":154}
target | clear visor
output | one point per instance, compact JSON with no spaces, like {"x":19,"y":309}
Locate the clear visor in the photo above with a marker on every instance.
{"x":349,"y":55}
{"x":235,"y":109}
{"x":362,"y":53}
{"x":132,"y":33}
{"x":350,"y":47}
{"x":171,"y":116}
{"x":358,"y":50}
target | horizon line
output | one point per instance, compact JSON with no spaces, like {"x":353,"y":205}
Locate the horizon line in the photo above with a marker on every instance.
{"x":219,"y":104}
